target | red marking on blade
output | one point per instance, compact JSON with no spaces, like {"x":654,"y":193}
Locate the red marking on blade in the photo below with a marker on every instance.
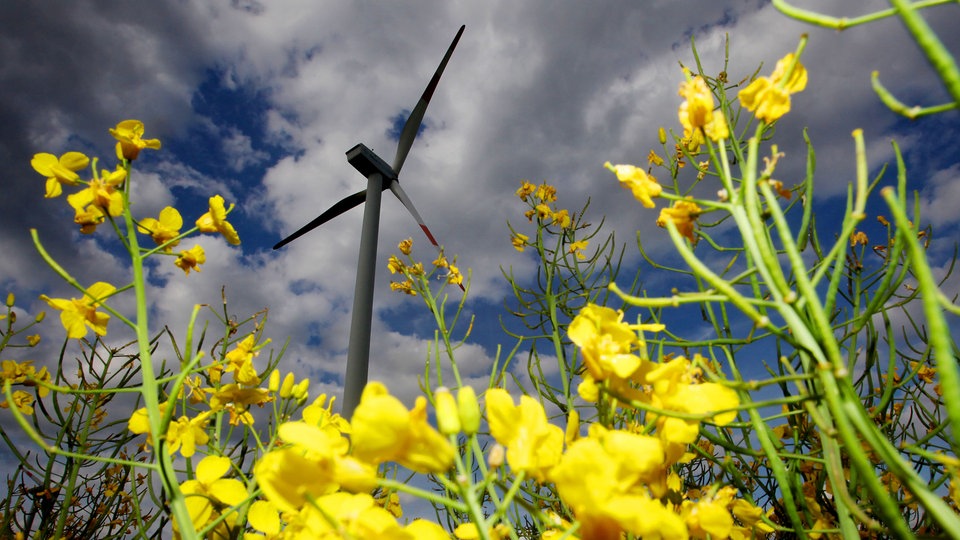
{"x":426,"y":231}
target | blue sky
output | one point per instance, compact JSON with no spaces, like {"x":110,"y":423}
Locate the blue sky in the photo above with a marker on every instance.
{"x":259,"y":102}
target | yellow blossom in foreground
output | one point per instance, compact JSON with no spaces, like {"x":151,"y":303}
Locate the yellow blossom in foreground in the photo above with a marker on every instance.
{"x":526,"y":189}
{"x":313,"y":464}
{"x":191,"y":259}
{"x":643,"y":186}
{"x":769,"y":97}
{"x":607,"y":342}
{"x":406,"y":246}
{"x":382,"y":429}
{"x":533,"y":444}
{"x":59,"y":171}
{"x":215,"y":220}
{"x":209,"y":491}
{"x":683,"y":214}
{"x":603,"y":478}
{"x":77,"y":314}
{"x":240,"y":362}
{"x":129,"y":136}
{"x":165,"y":229}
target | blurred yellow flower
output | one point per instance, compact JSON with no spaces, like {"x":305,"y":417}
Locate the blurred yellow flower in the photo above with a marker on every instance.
{"x":454,"y":276}
{"x":405,"y":287}
{"x":576,"y":248}
{"x":313,"y":464}
{"x":128,"y":134}
{"x":163,"y":230}
{"x":191,"y":259}
{"x":382,"y":429}
{"x":683,"y":214}
{"x":519,"y":241}
{"x":533,"y":444}
{"x":643,"y":186}
{"x":562,"y":218}
{"x":406,"y":246}
{"x":23,"y":401}
{"x":76,"y":314}
{"x":769,"y":97}
{"x":59,"y":171}
{"x":215,"y":220}
{"x":603,"y":478}
{"x":697,"y":111}
{"x":526,"y":189}
{"x":240,"y":362}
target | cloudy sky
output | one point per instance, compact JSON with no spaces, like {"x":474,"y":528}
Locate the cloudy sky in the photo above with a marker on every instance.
{"x":259,"y":101}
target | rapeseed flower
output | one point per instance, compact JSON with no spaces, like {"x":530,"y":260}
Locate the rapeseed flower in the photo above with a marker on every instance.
{"x":129,"y":136}
{"x":59,"y":171}
{"x":164,"y":229}
{"x":209,"y":491}
{"x":191,"y":259}
{"x":102,"y":192}
{"x":683,"y":214}
{"x":215,"y":220}
{"x":769,"y":97}
{"x":519,"y":241}
{"x":77,"y":314}
{"x":697,"y":112}
{"x":382,"y":429}
{"x":533,"y":444}
{"x":643,"y":186}
{"x":606,"y":342}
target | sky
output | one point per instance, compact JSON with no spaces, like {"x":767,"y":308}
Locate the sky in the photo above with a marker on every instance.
{"x":259,"y":101}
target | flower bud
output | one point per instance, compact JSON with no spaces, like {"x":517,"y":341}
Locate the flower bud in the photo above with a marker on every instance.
{"x":573,"y":427}
{"x":10,"y":299}
{"x":286,"y":389}
{"x":299,"y":392}
{"x":469,"y":410}
{"x":273,"y":383}
{"x":448,"y":417}
{"x":41,"y":316}
{"x":662,"y":135}
{"x":496,"y":456}
{"x":33,"y":340}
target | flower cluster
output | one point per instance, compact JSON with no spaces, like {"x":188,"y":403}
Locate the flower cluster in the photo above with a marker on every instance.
{"x":104,"y":196}
{"x":415,"y":271}
{"x":23,"y":374}
{"x":541,"y":200}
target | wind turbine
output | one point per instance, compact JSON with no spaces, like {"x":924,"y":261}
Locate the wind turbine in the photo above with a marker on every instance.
{"x":380,"y":177}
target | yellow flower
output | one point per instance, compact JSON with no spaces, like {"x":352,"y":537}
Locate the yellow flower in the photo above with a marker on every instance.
{"x":697,"y":111}
{"x":546,"y":192}
{"x":454,"y":277}
{"x":603,"y":478}
{"x":209,"y":491}
{"x":191,"y":259}
{"x":405,"y":287}
{"x":128,"y":134}
{"x":77,"y":314}
{"x":240,"y":362}
{"x":519,"y":241}
{"x":526,"y":189}
{"x":533,"y":444}
{"x":382,"y":429}
{"x":543,"y":211}
{"x":406,"y":246}
{"x":606,"y":342}
{"x":165,"y":229}
{"x":59,"y":171}
{"x":185,"y":434}
{"x":102,"y":192}
{"x":23,"y":401}
{"x":395,"y":265}
{"x":88,"y":218}
{"x":769,"y":97}
{"x":215,"y":220}
{"x":683,"y":215}
{"x":654,"y":159}
{"x":562,"y":218}
{"x":576,"y":248}
{"x":313,"y":464}
{"x":643,"y":186}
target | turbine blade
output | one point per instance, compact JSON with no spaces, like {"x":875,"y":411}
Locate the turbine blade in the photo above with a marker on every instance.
{"x":402,"y":195}
{"x":345,"y":204}
{"x":412,"y":126}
